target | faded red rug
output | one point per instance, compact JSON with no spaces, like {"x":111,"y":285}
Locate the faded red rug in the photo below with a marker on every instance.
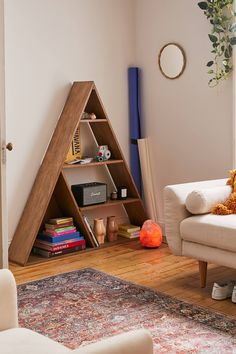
{"x":84,"y":306}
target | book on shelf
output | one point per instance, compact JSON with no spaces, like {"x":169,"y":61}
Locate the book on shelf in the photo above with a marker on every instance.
{"x":59,"y":221}
{"x":48,"y":254}
{"x":58,"y":246}
{"x":54,"y":239}
{"x":128,"y":227}
{"x":130,"y":235}
{"x":58,"y":233}
{"x":91,"y":231}
{"x":83,"y":161}
{"x":54,"y":227}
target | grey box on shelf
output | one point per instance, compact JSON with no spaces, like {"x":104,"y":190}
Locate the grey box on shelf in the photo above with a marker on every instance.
{"x":89,"y":193}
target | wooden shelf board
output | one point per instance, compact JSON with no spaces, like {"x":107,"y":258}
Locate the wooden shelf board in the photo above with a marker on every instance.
{"x":99,"y":120}
{"x":110,"y":203}
{"x":95,"y":163}
{"x":35,"y":259}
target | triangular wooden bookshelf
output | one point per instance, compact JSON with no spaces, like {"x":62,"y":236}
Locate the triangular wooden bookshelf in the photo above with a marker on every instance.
{"x":51,"y":195}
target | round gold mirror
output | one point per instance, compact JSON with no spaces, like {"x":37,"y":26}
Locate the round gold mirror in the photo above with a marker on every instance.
{"x":172,"y":61}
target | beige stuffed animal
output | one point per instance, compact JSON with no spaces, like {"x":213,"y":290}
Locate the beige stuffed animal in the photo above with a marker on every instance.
{"x":229,"y":206}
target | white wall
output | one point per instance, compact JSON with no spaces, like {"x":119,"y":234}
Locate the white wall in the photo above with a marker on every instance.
{"x":49,"y":44}
{"x":189,"y":124}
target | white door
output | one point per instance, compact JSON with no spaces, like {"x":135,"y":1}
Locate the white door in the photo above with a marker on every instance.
{"x":3,"y":209}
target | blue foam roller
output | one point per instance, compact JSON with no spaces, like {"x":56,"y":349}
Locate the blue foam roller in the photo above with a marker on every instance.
{"x":134,"y":124}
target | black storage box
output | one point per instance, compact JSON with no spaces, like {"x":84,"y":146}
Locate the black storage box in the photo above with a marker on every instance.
{"x":89,"y":193}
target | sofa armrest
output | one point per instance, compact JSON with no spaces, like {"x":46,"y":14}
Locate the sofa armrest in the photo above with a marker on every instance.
{"x":8,"y":300}
{"x":175,"y":210}
{"x":138,"y":342}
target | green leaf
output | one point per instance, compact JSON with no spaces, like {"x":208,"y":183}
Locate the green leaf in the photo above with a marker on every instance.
{"x":232,"y":27}
{"x":228,"y":52}
{"x":203,"y":5}
{"x":210,"y":63}
{"x":213,"y":38}
{"x":233,"y":40}
{"x":218,"y":29}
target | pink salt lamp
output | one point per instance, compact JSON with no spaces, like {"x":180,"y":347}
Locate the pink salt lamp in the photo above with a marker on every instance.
{"x":150,"y":234}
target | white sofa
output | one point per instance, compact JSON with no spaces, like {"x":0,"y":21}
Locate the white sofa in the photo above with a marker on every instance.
{"x":15,"y":340}
{"x":206,"y":237}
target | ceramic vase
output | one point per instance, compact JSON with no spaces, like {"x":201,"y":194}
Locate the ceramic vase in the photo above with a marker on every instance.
{"x":99,"y":230}
{"x":112,"y":228}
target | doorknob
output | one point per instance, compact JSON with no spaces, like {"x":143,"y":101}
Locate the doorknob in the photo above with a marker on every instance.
{"x":9,"y":146}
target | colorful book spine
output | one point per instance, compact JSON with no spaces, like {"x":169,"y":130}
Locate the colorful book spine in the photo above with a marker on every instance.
{"x":129,"y":228}
{"x":129,"y":234}
{"x":58,"y":233}
{"x":55,"y":239}
{"x":58,"y":221}
{"x":49,"y":254}
{"x":58,"y":246}
{"x":58,"y":227}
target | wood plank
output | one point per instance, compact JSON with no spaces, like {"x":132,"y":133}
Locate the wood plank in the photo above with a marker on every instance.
{"x":36,"y":259}
{"x":157,"y":269}
{"x":93,"y":120}
{"x":110,"y":203}
{"x":91,"y":164}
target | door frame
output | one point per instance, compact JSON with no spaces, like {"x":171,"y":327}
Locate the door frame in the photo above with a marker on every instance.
{"x":3,"y":204}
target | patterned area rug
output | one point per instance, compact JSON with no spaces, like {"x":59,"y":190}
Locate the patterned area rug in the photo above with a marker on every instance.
{"x":84,"y":306}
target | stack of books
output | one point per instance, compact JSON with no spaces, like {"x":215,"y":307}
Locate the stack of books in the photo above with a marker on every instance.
{"x":129,"y":231}
{"x":59,"y":237}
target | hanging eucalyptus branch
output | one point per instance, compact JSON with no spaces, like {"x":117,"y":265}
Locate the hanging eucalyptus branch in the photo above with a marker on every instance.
{"x":221,"y":15}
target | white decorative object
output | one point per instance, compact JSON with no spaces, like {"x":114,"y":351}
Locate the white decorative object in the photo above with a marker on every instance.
{"x":147,"y":178}
{"x":201,"y":201}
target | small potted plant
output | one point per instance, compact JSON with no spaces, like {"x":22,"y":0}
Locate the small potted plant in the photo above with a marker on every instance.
{"x":221,"y":15}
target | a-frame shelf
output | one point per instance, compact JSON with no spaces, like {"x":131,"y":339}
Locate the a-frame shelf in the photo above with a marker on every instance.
{"x":51,"y":195}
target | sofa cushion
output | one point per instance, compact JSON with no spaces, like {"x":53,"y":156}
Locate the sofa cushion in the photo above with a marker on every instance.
{"x":212,"y":230}
{"x":24,"y":341}
{"x":201,"y":201}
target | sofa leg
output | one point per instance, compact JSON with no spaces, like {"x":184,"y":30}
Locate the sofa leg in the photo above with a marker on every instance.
{"x":203,"y":273}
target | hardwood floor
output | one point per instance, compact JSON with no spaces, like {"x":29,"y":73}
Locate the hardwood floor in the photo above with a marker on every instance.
{"x":154,"y":268}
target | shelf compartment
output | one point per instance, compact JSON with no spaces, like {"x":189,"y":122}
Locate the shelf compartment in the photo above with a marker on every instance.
{"x":136,"y":212}
{"x":95,"y":105}
{"x":110,"y":203}
{"x":104,"y":135}
{"x":95,"y":163}
{"x":68,"y":205}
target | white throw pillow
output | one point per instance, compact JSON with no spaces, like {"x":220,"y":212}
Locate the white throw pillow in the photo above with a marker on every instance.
{"x":201,"y":201}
